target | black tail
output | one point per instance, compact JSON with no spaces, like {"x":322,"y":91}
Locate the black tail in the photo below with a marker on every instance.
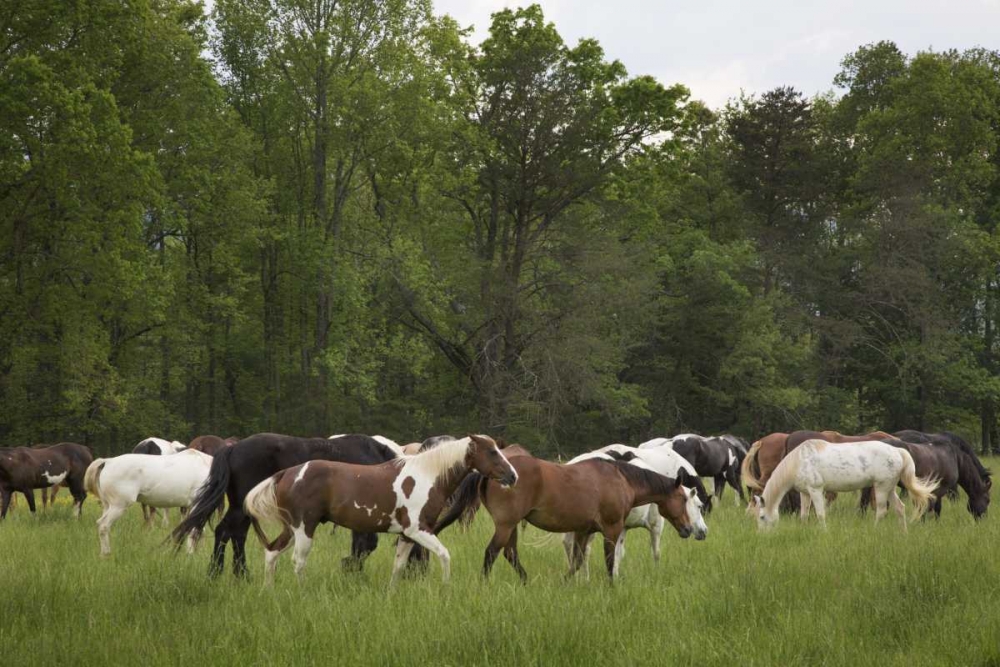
{"x":466,"y":494}
{"x":210,"y":497}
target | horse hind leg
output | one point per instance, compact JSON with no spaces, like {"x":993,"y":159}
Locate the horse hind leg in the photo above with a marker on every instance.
{"x":819,"y":503}
{"x":720,"y":486}
{"x":271,"y":553}
{"x":403,"y":549}
{"x":303,"y":545}
{"x":655,"y":535}
{"x":501,"y":536}
{"x":5,"y":498}
{"x":804,"y":505}
{"x":882,"y":495}
{"x":897,"y":506}
{"x":29,"y":495}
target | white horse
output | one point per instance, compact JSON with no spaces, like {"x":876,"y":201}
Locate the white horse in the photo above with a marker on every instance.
{"x":157,"y":447}
{"x":817,"y":466}
{"x":664,"y":461}
{"x":157,"y":481}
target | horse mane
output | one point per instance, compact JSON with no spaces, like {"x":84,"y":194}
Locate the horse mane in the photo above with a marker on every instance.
{"x":965,"y":449}
{"x":654,"y":482}
{"x":443,"y":460}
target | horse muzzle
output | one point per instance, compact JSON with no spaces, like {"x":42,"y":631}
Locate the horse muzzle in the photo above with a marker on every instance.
{"x":507,"y":480}
{"x":684,"y":532}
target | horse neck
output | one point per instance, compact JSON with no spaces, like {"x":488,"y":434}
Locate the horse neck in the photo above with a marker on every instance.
{"x":968,"y":475}
{"x":447,"y":464}
{"x":781,"y":481}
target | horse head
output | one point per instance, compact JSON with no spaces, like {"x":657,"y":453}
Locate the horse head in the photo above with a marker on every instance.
{"x":766,"y":519}
{"x":488,"y":460}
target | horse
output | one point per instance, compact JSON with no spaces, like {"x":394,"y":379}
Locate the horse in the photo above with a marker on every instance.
{"x":817,"y":466}
{"x":663,"y":461}
{"x":930,"y":462}
{"x":236,"y":470}
{"x":209,"y":444}
{"x":156,"y":447}
{"x":164,"y":481}
{"x":582,"y":498}
{"x":715,"y":458}
{"x":403,"y":496}
{"x":24,"y":469}
{"x":974,"y":478}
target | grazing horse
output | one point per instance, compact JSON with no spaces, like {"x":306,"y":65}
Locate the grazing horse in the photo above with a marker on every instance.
{"x":663,"y":461}
{"x":209,"y":444}
{"x":930,"y":463}
{"x":404,"y":496}
{"x":712,"y":457}
{"x":236,"y":470}
{"x":582,"y":498}
{"x":973,"y":476}
{"x":24,"y":469}
{"x":817,"y":466}
{"x":156,"y":447}
{"x":162,"y":481}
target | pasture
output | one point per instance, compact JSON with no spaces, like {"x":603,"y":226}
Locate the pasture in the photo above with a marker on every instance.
{"x":854,"y":594}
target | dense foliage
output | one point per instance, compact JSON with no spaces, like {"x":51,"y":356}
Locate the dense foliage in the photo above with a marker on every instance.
{"x":324,"y":216}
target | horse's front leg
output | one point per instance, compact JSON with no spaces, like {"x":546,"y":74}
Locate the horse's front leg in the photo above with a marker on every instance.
{"x":5,"y":497}
{"x":501,"y":536}
{"x":612,"y":535}
{"x":819,"y":501}
{"x":425,"y":537}
{"x":29,"y":495}
{"x":804,"y":505}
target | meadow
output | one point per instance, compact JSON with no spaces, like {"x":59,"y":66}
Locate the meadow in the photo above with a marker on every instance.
{"x":855,"y":594}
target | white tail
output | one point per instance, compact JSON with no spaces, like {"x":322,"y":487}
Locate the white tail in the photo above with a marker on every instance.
{"x":92,"y":478}
{"x":262,"y":504}
{"x":746,"y":470}
{"x":920,"y":490}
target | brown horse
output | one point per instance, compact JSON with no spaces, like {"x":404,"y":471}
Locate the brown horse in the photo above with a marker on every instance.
{"x":592,"y":496}
{"x":209,"y":444}
{"x":23,"y":469}
{"x":403,"y":496}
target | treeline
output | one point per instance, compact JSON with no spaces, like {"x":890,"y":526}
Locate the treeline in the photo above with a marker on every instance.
{"x":325,"y":216}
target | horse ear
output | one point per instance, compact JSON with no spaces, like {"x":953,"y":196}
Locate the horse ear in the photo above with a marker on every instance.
{"x":759,"y":500}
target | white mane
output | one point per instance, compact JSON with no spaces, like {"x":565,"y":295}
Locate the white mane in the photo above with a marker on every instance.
{"x":437,"y":460}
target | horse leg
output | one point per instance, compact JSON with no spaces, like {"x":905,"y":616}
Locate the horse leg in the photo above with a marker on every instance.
{"x":510,"y":553}
{"x":76,"y":490}
{"x":578,"y":547}
{"x":882,"y":501}
{"x":362,"y":544}
{"x":568,"y":542}
{"x":804,"y":507}
{"x":239,"y":536}
{"x":403,"y":548}
{"x":733,"y":477}
{"x":720,"y":485}
{"x":166,"y":517}
{"x":147,"y":515}
{"x":655,"y":533}
{"x":5,"y":496}
{"x":45,"y":498}
{"x":619,"y":552}
{"x":29,"y":495}
{"x":303,"y":545}
{"x":866,"y":500}
{"x":271,"y":553}
{"x":819,"y":502}
{"x":501,"y":535}
{"x":588,"y":544}
{"x":222,"y":536}
{"x":897,"y":505}
{"x":611,"y":536}
{"x":429,"y":541}
{"x":110,"y":515}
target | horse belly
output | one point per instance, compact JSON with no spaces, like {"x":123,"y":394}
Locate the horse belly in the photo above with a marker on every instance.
{"x":364,"y":517}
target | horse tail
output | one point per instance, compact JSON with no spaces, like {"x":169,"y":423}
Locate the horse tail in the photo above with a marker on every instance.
{"x":262,"y":505}
{"x":92,"y":478}
{"x":209,"y":498}
{"x":746,"y":469}
{"x":920,"y":490}
{"x":463,"y":500}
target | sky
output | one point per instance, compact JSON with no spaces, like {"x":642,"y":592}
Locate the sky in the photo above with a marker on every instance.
{"x":718,"y":48}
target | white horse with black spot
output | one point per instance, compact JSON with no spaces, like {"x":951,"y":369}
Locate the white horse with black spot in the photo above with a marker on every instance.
{"x":661,"y":460}
{"x":152,"y":446}
{"x":156,"y":481}
{"x":817,"y":466}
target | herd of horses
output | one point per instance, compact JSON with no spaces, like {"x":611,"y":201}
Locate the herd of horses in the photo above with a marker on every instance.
{"x":371,"y":485}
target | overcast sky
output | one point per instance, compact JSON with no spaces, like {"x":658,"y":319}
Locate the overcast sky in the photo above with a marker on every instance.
{"x":718,"y":47}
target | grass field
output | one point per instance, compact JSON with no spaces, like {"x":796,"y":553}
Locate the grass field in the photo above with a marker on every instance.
{"x":855,"y":594}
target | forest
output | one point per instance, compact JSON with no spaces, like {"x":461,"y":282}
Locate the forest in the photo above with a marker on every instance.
{"x":334,"y":216}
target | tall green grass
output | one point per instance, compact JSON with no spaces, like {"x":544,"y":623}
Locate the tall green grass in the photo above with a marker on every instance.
{"x":855,"y":594}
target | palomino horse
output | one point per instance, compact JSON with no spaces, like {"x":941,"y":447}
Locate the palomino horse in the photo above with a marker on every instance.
{"x":661,"y":460}
{"x":583,"y":498}
{"x":817,"y":466}
{"x":23,"y":469}
{"x":236,"y":470}
{"x":972,"y":475}
{"x":157,"y":447}
{"x":162,"y":481}
{"x":404,"y":496}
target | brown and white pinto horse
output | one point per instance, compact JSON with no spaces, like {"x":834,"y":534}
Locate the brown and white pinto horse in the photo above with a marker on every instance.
{"x":592,"y":496}
{"x":24,"y":469}
{"x":403,"y":496}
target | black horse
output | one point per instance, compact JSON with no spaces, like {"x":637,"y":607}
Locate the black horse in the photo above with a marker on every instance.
{"x":237,"y":469}
{"x":718,"y":458}
{"x":973,"y":477}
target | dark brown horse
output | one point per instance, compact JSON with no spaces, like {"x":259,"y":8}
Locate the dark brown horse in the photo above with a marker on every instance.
{"x":929,"y":462}
{"x":23,"y":469}
{"x":403,"y":496}
{"x":973,"y":477}
{"x":583,"y":498}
